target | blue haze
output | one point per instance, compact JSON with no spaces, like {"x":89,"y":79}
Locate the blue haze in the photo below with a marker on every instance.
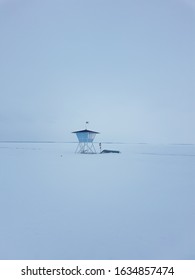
{"x":125,"y":66}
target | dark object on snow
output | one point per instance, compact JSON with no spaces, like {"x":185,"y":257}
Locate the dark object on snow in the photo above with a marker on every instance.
{"x":109,"y":151}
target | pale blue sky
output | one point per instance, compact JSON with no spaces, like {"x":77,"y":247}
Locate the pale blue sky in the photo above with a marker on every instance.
{"x":125,"y":66}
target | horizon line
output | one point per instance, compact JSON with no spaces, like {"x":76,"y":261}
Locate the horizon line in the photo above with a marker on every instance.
{"x":105,"y":142}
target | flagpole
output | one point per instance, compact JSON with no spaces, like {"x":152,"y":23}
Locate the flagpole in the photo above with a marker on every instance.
{"x":86,"y":125}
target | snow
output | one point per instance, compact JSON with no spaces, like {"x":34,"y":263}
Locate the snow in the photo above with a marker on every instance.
{"x":55,"y":204}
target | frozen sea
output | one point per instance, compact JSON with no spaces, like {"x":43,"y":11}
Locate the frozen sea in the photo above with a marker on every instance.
{"x":55,"y":204}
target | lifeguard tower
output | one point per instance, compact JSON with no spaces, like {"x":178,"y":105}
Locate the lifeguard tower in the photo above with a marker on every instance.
{"x":85,"y":145}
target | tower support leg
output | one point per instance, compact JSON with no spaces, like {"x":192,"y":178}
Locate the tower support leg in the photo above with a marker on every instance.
{"x":85,"y":148}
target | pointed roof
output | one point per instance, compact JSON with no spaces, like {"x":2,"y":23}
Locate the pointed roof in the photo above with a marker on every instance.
{"x":85,"y":131}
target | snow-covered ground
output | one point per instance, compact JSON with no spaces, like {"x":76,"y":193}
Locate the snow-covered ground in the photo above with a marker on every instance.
{"x":55,"y":204}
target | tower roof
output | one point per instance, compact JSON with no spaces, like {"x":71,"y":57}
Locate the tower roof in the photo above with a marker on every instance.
{"x":86,"y":131}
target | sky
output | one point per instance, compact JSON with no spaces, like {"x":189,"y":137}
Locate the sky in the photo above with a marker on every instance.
{"x":125,"y":66}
